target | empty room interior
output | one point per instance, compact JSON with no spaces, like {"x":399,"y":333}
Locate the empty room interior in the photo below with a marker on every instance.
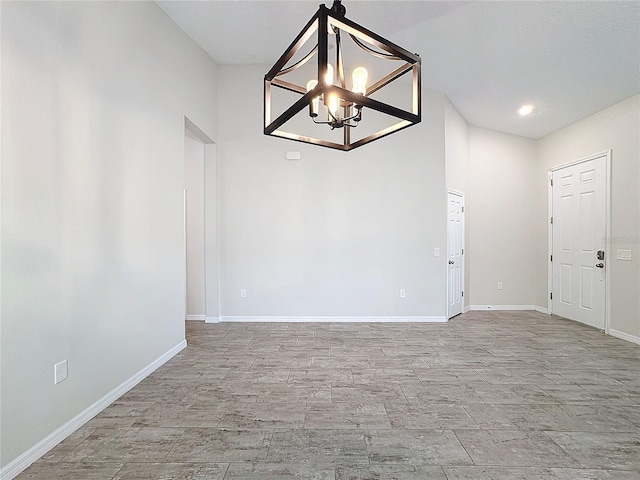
{"x":217,"y":265}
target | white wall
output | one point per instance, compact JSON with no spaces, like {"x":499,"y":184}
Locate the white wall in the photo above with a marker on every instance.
{"x":93,"y":103}
{"x":500,"y":209}
{"x":616,"y":128}
{"x":333,"y":234}
{"x":456,"y":137}
{"x":194,"y":161}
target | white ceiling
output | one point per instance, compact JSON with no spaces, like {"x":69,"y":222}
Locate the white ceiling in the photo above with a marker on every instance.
{"x":569,"y":59}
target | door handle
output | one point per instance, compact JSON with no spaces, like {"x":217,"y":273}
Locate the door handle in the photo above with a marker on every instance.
{"x":451,"y":262}
{"x":600,"y":265}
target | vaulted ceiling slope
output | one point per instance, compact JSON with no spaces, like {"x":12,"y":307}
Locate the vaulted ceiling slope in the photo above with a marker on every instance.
{"x":569,"y":59}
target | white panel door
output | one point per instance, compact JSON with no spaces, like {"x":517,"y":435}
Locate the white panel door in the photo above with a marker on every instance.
{"x":455,"y":253}
{"x":578,"y":235}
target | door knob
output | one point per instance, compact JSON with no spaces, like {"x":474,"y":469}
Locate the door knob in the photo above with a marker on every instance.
{"x":451,"y":262}
{"x":600,"y":265}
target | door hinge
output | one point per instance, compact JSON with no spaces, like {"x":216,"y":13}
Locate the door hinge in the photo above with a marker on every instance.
{"x":462,"y":209}
{"x":551,"y":258}
{"x":551,"y":296}
{"x":463,"y":251}
{"x":551,"y":220}
{"x":463,"y":294}
{"x":552,"y":182}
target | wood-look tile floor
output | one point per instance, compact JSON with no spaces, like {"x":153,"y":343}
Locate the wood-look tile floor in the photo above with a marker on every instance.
{"x":489,"y":395}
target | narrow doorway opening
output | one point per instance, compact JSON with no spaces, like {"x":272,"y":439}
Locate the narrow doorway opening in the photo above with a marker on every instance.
{"x":200,"y":225}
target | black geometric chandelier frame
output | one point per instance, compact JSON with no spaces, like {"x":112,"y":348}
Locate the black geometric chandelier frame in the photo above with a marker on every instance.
{"x":343,"y":106}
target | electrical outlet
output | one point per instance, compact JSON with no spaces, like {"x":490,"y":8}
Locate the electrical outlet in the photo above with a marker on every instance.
{"x":60,"y":372}
{"x":436,"y":252}
{"x":243,"y":293}
{"x":499,"y":285}
{"x":403,"y":294}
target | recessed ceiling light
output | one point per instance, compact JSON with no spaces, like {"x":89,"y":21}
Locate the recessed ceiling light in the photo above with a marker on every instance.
{"x":525,"y":109}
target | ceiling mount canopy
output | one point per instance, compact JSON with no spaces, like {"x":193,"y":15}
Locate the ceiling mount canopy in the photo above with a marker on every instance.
{"x":339,"y":85}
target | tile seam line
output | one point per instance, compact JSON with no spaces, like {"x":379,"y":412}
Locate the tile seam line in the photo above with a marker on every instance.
{"x":544,"y":432}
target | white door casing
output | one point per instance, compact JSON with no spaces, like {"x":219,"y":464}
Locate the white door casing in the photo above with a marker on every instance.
{"x":455,"y":253}
{"x":578,"y":241}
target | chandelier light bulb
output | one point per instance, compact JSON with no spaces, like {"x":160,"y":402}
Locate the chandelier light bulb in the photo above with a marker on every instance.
{"x":359,"y":77}
{"x":313,"y":105}
{"x":328,"y":78}
{"x":334,"y":103}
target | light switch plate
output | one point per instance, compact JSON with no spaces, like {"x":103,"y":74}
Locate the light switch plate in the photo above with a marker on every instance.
{"x":623,"y":255}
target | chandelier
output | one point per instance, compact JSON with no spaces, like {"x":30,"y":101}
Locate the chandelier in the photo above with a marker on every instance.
{"x":312,"y":101}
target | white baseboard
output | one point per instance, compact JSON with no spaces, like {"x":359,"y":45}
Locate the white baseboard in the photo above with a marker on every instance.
{"x":544,"y":310}
{"x":212,"y":320}
{"x":466,"y":309}
{"x":197,"y":317}
{"x":624,"y":336}
{"x":15,"y":467}
{"x":502,"y":307}
{"x":335,"y":319}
